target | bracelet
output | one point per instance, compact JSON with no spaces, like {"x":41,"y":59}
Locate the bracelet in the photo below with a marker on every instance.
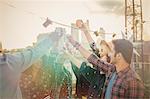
{"x":93,"y":46}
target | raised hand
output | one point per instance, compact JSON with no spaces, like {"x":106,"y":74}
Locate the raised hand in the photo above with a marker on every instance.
{"x":81,"y":25}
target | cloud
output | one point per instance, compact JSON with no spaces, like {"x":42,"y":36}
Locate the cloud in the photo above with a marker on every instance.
{"x":112,"y":6}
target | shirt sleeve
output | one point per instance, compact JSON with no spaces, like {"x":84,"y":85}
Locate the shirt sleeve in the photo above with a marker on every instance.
{"x":22,"y":60}
{"x":101,"y":65}
{"x":135,"y":90}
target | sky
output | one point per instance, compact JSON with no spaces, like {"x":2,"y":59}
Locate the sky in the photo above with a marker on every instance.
{"x":21,"y":23}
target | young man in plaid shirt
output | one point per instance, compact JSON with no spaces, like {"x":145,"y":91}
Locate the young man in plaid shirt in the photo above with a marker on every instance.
{"x":122,"y":82}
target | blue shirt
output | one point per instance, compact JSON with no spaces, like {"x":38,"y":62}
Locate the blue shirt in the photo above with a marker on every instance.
{"x":110,"y":85}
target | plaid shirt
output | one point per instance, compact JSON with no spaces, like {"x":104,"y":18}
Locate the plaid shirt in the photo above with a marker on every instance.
{"x":127,"y":84}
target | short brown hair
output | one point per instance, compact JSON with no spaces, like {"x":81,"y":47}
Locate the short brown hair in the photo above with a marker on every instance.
{"x":125,"y":47}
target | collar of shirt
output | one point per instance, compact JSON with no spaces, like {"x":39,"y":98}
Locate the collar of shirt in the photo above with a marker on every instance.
{"x":124,"y":71}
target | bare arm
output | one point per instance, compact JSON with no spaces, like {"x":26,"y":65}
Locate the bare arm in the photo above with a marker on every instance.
{"x":85,"y":29}
{"x":101,"y":65}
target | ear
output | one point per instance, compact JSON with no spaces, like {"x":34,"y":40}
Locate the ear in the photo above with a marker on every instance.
{"x":119,"y":56}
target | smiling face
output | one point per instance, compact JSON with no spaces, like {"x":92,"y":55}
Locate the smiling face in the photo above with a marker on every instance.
{"x":104,"y":49}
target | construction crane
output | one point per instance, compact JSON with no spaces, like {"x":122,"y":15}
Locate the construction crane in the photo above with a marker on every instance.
{"x":134,"y":26}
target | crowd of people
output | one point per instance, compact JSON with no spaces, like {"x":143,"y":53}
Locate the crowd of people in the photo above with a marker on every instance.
{"x":105,"y":72}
